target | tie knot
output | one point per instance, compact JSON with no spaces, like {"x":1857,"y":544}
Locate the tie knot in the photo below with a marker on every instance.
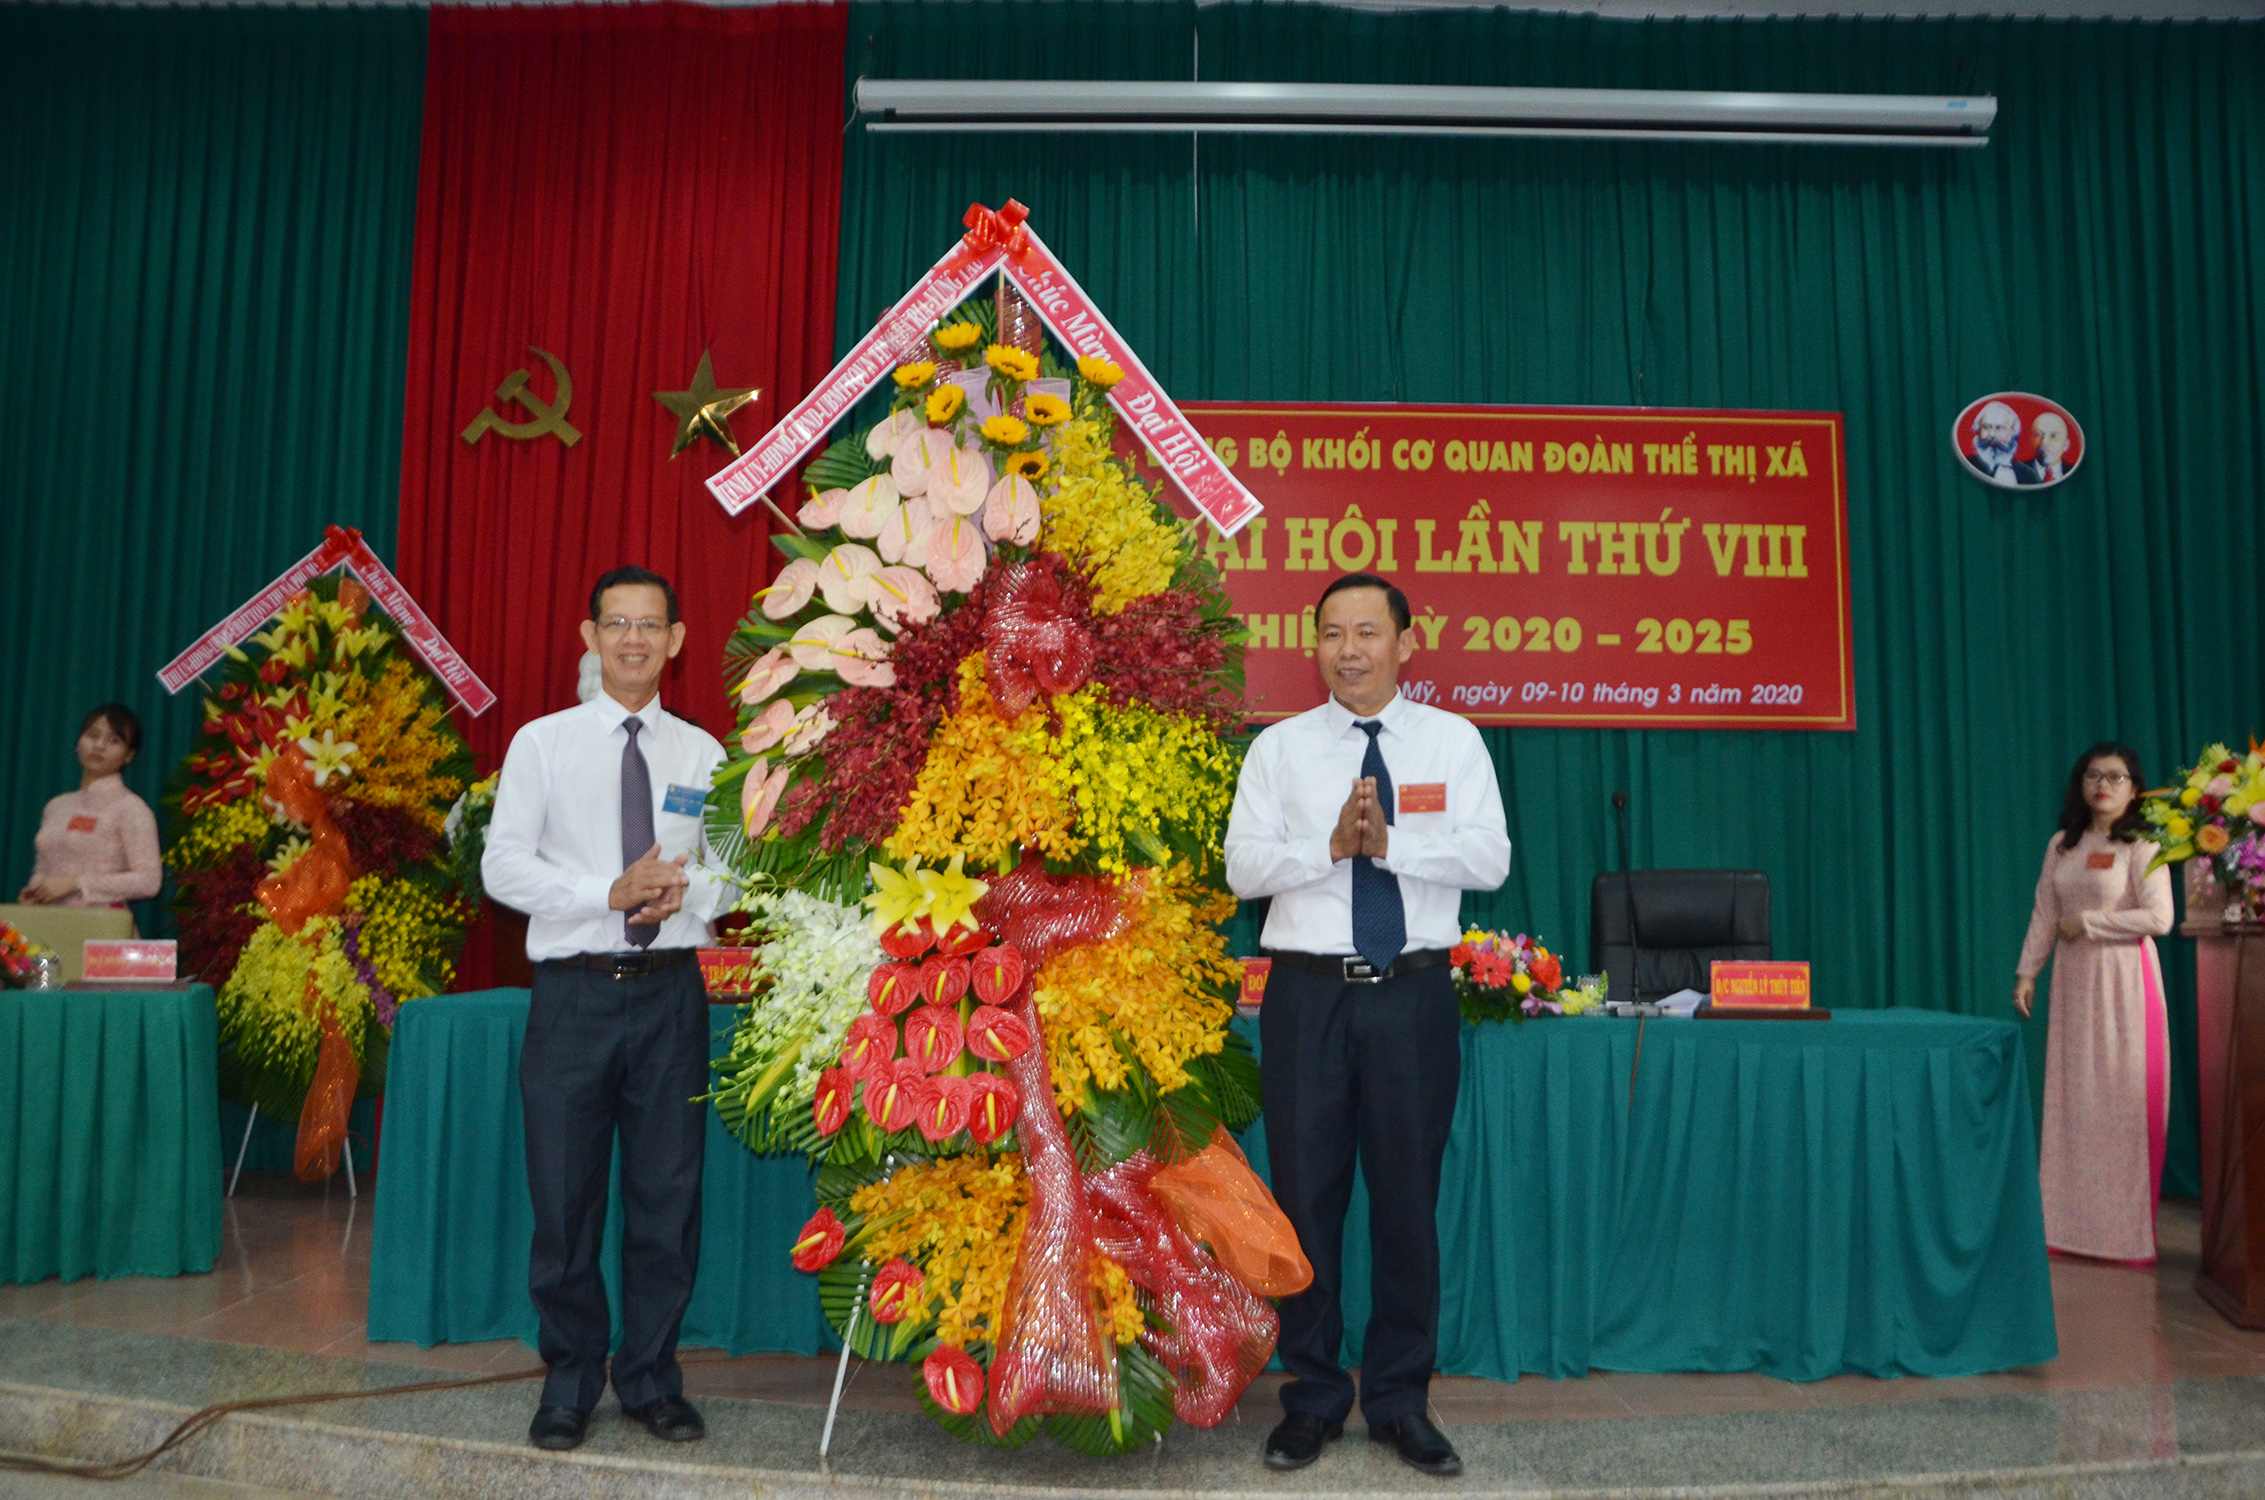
{"x":630,"y":726}
{"x":1369,"y":727}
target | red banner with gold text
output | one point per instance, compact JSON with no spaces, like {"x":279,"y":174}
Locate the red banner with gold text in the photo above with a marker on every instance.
{"x":1567,"y":566}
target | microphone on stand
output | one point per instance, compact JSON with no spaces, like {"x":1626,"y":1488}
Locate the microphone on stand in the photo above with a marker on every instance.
{"x":1628,"y":894}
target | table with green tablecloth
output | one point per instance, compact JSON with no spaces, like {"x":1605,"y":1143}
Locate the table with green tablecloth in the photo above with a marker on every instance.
{"x":1797,"y":1198}
{"x":109,"y":1133}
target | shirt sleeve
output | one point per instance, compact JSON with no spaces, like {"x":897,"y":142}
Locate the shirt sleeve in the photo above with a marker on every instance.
{"x":1473,"y":855}
{"x":2044,"y":918}
{"x":2147,"y":911}
{"x":513,"y":868}
{"x":1262,"y":857}
{"x":144,"y":874}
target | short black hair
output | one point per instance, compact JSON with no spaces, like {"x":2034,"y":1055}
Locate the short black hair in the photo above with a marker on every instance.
{"x":1396,"y":601}
{"x":628,"y":577}
{"x":123,"y":722}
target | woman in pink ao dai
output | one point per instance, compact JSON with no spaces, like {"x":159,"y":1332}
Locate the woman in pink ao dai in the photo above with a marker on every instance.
{"x":2107,"y":1053}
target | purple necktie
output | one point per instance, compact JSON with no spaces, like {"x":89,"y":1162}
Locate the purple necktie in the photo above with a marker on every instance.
{"x":636,"y":819}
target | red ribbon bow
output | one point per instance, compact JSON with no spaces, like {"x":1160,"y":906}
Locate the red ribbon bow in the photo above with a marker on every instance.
{"x":987,"y":230}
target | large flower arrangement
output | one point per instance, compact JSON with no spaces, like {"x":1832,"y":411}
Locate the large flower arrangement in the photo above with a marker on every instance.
{"x":985,"y":760}
{"x":2216,"y":811}
{"x":318,"y":879}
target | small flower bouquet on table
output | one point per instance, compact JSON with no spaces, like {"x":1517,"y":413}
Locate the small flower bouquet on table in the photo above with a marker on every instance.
{"x":2216,"y":809}
{"x":1500,"y":976}
{"x":16,"y":955}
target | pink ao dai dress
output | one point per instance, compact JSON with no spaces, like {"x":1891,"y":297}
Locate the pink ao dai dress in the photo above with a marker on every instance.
{"x":106,"y":837}
{"x":2107,"y":1049}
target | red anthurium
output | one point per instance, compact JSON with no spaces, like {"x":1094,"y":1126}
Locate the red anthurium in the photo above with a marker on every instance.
{"x":955,"y":1380}
{"x":992,"y":1104}
{"x":943,"y":980}
{"x":996,"y":1035}
{"x":998,"y":974}
{"x":943,"y":1114}
{"x":909,"y":939}
{"x":932,"y":1037}
{"x":962,"y":939}
{"x":893,"y":988}
{"x":893,"y":1102}
{"x":829,"y":1107}
{"x":896,"y":1291}
{"x":820,"y":1241}
{"x":869,"y":1048}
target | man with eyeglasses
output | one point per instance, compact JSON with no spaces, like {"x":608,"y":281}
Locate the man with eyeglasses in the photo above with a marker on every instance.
{"x":598,"y":814}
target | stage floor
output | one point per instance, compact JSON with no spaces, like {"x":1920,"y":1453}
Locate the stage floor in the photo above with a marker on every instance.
{"x":2148,"y":1375}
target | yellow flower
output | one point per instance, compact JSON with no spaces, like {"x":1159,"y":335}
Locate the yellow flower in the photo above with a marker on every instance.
{"x":1097,"y":371}
{"x":289,"y":855}
{"x":957,"y":336}
{"x":1046,"y":411}
{"x":913,"y":376}
{"x":2179,"y":828}
{"x":1015,"y":364}
{"x":946,"y":897}
{"x":1521,"y":982}
{"x":944,"y":403}
{"x":1006,"y":431}
{"x":1107,"y":522}
{"x":327,"y":757}
{"x":961,"y":1218}
{"x":2189,"y":797}
{"x":1031,"y":466}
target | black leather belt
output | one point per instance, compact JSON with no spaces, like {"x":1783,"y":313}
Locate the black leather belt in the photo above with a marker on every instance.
{"x":1354,"y":969}
{"x":626,"y":965}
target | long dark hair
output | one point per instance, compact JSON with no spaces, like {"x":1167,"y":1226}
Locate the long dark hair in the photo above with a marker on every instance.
{"x":2076,"y":813}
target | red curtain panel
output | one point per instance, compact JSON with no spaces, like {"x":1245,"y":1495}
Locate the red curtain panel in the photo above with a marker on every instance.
{"x":622,"y":188}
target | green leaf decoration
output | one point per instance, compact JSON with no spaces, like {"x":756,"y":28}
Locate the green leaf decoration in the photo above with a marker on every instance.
{"x":1145,"y":1387}
{"x":842,"y":465}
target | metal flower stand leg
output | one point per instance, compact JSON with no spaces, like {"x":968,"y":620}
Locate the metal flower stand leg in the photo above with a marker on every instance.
{"x":346,"y":1147}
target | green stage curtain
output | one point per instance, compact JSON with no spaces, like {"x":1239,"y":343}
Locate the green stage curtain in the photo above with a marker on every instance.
{"x":2107,"y":249}
{"x":205,"y":224}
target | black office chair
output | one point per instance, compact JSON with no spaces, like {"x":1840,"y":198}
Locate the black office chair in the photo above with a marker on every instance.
{"x":1657,"y":931}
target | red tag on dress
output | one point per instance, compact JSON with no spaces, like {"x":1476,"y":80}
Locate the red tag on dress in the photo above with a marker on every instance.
{"x":82,"y":824}
{"x":2100,"y":862}
{"x":1423,"y":797}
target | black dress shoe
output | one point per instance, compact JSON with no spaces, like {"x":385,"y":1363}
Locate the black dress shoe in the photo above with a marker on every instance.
{"x":558,"y":1428}
{"x":1298,"y":1440}
{"x":1419,"y":1444}
{"x":672,"y":1419}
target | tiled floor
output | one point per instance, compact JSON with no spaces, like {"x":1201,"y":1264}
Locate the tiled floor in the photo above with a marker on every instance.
{"x":294,"y":1275}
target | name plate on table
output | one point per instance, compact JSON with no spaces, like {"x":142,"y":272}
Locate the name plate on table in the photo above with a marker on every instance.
{"x":728,"y":974}
{"x":129,"y":961}
{"x":1768,"y":990}
{"x":1255,"y":971}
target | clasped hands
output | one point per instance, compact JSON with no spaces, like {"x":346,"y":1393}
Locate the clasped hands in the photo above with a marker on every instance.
{"x":49,"y":890}
{"x":652,"y":889}
{"x":1361,"y":828}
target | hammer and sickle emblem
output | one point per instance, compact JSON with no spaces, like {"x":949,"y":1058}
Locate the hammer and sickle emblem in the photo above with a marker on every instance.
{"x":549,"y":417}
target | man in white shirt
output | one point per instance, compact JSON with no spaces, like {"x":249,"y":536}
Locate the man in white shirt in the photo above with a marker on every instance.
{"x":1364,"y":820}
{"x":598,"y":815}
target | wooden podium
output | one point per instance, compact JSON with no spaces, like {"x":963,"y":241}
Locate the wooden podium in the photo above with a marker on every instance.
{"x":2229,"y":971}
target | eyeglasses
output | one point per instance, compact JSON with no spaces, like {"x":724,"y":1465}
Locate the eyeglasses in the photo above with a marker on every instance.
{"x":2105,"y":778}
{"x":616,"y":625}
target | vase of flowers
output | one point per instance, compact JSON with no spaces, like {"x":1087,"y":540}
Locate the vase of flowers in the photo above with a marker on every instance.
{"x":1505,"y":976}
{"x":2214,"y":814}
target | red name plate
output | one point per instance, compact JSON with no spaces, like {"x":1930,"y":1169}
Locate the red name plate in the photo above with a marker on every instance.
{"x":130,"y":961}
{"x":1785,"y":985}
{"x":1661,"y":569}
{"x":1255,"y":971}
{"x":728,"y":974}
{"x":1423,"y":797}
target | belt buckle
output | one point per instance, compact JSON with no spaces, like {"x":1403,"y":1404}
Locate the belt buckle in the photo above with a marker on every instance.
{"x":1359,"y":970}
{"x":623,"y":965}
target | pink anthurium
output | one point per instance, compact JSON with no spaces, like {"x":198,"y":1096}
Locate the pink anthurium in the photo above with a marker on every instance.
{"x":814,"y":640}
{"x":767,"y":728}
{"x":792,"y":589}
{"x":823,"y":509}
{"x":956,"y":557}
{"x":774,"y":671}
{"x":862,"y":659}
{"x":908,"y":521}
{"x":959,"y":483}
{"x":903,"y":596}
{"x":1010,"y":512}
{"x":887,"y":436}
{"x":758,"y":801}
{"x":867,"y":509}
{"x":813,"y":724}
{"x":915,"y":457}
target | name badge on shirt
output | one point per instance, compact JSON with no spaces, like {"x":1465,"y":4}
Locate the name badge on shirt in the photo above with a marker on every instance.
{"x":1423,"y":797}
{"x":2100,"y":862}
{"x":82,"y":824}
{"x":686,"y":801}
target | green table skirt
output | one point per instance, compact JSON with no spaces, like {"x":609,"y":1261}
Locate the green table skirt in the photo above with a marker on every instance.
{"x":109,"y":1133}
{"x":1802,"y":1199}
{"x":454,"y":1222}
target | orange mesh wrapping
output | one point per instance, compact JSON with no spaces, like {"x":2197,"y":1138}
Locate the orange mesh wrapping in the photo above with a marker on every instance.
{"x":1218,"y":1199}
{"x":322,"y":1119}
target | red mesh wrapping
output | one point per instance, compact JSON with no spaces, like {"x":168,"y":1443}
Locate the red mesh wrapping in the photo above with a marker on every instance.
{"x":1041,"y":914}
{"x":1055,"y":1350}
{"x":1219,"y":1335}
{"x":1035,"y":637}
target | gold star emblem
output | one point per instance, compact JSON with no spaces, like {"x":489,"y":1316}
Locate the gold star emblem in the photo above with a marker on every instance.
{"x":703,"y":411}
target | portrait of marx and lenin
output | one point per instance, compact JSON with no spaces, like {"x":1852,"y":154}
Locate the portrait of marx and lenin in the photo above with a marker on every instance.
{"x":2018,"y":441}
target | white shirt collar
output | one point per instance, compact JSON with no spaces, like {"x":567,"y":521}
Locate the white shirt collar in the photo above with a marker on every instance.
{"x":613,"y":715}
{"x":1392,"y":715}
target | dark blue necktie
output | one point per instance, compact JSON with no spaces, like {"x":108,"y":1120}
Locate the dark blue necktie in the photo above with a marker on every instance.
{"x":636,"y":819}
{"x":1380,"y":922}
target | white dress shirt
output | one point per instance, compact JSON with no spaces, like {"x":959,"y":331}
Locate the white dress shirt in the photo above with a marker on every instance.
{"x":1294,"y":783}
{"x":554,"y":844}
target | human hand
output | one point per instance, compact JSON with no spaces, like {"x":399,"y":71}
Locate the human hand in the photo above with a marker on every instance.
{"x":648,"y":880}
{"x":2024,"y":995}
{"x":1345,"y":839}
{"x":50,"y":890}
{"x":1376,"y":834}
{"x":658,"y":910}
{"x":2072,"y":926}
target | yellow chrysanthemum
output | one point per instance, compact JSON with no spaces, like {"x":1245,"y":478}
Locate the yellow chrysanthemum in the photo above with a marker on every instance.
{"x":917,"y":374}
{"x":1006,"y":431}
{"x":1031,"y":466}
{"x":1097,"y":371}
{"x":955,"y":337}
{"x":944,"y":403}
{"x":1015,"y":364}
{"x":1046,"y":411}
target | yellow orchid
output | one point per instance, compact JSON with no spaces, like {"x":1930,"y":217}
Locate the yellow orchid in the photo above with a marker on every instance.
{"x":327,"y":757}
